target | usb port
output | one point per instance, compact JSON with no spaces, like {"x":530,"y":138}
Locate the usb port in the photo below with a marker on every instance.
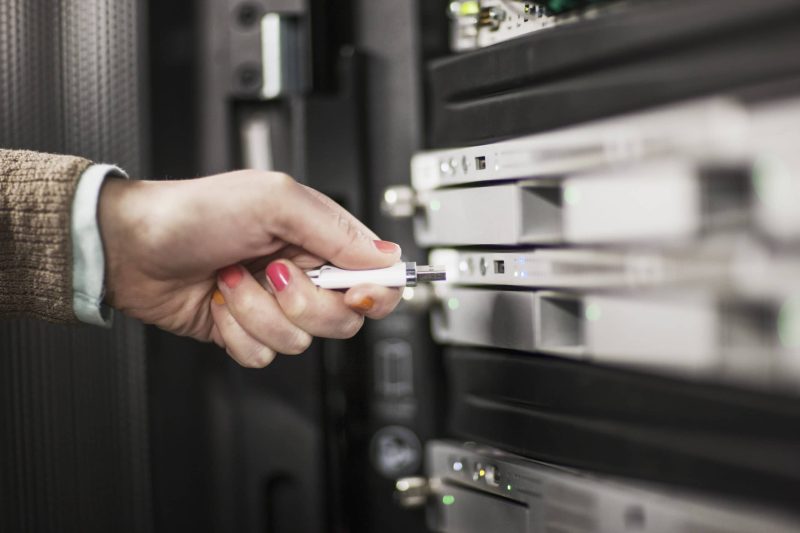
{"x":480,"y":162}
{"x":500,"y":267}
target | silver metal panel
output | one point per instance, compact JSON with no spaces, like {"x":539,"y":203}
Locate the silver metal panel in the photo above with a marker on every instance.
{"x":272,"y":56}
{"x":489,"y":215}
{"x":280,"y":56}
{"x":465,"y":511}
{"x":689,"y":333}
{"x":502,"y":319}
{"x":672,"y":332}
{"x":686,"y":332}
{"x":660,"y":200}
{"x":564,"y":500}
{"x":575,"y":268}
{"x":256,"y":139}
{"x":707,"y":132}
{"x":715,"y":129}
{"x":776,"y":136}
{"x":738,"y":265}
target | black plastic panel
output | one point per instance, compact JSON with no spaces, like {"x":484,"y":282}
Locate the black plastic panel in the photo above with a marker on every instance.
{"x":653,"y":53}
{"x":693,"y":434}
{"x":74,"y":450}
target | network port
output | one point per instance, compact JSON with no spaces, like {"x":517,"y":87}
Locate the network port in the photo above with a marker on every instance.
{"x":491,"y":17}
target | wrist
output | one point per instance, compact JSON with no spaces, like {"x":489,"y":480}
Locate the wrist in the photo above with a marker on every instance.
{"x":115,"y":216}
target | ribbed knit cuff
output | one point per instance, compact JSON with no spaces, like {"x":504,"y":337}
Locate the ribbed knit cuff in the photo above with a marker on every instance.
{"x":35,"y":248}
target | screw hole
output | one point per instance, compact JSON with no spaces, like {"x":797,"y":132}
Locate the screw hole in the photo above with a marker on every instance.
{"x":249,"y":77}
{"x":247,"y":15}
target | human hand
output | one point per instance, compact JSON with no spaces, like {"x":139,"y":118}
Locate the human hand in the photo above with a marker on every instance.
{"x":190,"y":257}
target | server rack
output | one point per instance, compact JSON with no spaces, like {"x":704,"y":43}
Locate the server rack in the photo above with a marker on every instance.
{"x":538,"y":174}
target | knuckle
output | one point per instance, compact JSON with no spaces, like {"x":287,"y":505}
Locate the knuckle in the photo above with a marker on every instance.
{"x":297,"y":308}
{"x":348,"y":226}
{"x":379,"y":314}
{"x":272,"y":188}
{"x":351,"y":231}
{"x":257,"y":358}
{"x":300,"y":343}
{"x":281,"y":181}
{"x":244,"y":303}
{"x":387,"y":309}
{"x":260,"y":357}
{"x":245,"y":176}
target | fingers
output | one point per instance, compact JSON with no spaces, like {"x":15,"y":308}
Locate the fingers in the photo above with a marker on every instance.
{"x":303,"y":218}
{"x":243,"y":348}
{"x":373,"y":301}
{"x":253,"y":324}
{"x":258,"y":314}
{"x":320,"y":312}
{"x":295,"y":254}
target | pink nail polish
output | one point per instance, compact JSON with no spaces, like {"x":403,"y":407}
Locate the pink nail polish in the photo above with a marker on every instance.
{"x":279,"y":275}
{"x":231,"y":276}
{"x":386,"y":246}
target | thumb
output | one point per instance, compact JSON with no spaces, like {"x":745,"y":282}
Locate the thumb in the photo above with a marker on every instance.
{"x":329,"y":231}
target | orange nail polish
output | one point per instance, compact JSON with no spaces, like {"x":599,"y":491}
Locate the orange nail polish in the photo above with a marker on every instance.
{"x":218,"y":298}
{"x":365,"y":304}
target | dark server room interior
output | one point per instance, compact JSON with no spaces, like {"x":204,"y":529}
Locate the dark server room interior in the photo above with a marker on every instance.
{"x":608,"y":187}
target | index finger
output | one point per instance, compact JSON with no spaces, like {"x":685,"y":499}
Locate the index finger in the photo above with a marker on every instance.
{"x":303,"y":219}
{"x":334,"y":206}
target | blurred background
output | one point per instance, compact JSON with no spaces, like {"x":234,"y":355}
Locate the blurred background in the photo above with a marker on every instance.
{"x":611,"y":184}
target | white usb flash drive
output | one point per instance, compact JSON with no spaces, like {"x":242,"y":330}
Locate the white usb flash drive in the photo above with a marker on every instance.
{"x":404,"y":274}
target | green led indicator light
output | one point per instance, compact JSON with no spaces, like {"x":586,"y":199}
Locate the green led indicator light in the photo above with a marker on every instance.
{"x":572,"y":196}
{"x":435,"y":205}
{"x":453,"y":303}
{"x":470,"y":8}
{"x":789,"y":323}
{"x":448,"y":499}
{"x":768,"y":175}
{"x":760,"y":169}
{"x":562,"y":6}
{"x":593,"y":312}
{"x":508,"y":487}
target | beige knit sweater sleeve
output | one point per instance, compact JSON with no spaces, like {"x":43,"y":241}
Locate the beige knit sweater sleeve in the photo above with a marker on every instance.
{"x":36,"y":193}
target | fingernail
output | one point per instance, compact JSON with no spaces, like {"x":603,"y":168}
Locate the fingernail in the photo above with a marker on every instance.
{"x":231,"y":276}
{"x":279,"y":276}
{"x":365,"y":304}
{"x":218,"y":298}
{"x":386,"y":246}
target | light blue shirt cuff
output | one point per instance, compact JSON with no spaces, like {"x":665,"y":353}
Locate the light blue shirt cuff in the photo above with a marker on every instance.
{"x":88,"y":260}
